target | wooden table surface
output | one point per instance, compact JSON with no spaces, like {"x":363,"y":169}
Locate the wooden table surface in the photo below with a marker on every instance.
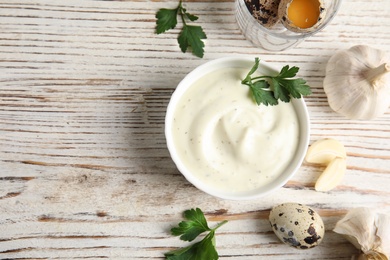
{"x":84,"y":168}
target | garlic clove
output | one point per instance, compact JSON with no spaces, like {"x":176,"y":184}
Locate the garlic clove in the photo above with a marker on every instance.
{"x":323,"y":151}
{"x":332,"y":175}
{"x":368,"y":231}
{"x":382,"y":223}
{"x":358,"y":228}
{"x":301,"y":15}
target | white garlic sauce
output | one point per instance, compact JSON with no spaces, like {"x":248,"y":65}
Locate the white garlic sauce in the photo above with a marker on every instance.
{"x":226,"y":140}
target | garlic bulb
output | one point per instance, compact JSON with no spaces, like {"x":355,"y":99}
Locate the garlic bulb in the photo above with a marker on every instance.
{"x":368,"y":231}
{"x":357,"y":82}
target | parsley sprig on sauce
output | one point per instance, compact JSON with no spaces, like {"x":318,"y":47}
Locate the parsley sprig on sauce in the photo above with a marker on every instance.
{"x":190,"y":229}
{"x":268,"y":90}
{"x":190,"y":36}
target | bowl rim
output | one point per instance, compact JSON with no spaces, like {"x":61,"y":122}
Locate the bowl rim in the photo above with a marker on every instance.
{"x":233,"y":62}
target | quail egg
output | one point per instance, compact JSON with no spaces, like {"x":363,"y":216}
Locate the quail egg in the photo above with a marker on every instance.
{"x":264,"y":11}
{"x":301,"y":15}
{"x":297,"y":225}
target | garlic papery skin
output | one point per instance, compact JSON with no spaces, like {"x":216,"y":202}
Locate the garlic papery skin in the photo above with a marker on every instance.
{"x":378,"y":77}
{"x":373,"y":255}
{"x":357,"y":82}
{"x":367,"y":230}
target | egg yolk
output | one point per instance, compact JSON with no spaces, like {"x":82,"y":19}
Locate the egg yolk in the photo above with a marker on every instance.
{"x":304,"y":13}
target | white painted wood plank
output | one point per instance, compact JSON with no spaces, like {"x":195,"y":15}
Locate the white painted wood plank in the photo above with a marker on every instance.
{"x":84,"y":171}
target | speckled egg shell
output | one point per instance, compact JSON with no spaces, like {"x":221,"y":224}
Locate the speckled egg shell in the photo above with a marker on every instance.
{"x":297,"y":225}
{"x":264,"y":11}
{"x":282,"y":14}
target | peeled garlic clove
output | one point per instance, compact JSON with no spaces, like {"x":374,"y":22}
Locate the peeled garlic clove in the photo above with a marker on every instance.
{"x":368,"y":231}
{"x":324,"y":151}
{"x":332,"y":175}
{"x":301,"y":15}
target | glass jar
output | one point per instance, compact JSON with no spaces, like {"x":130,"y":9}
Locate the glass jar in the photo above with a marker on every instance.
{"x":278,"y":38}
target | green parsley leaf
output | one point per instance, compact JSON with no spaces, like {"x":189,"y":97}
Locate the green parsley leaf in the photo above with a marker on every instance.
{"x":190,"y":229}
{"x":268,"y":90}
{"x":190,"y":35}
{"x":297,"y":87}
{"x":199,"y":251}
{"x":280,"y":92}
{"x":262,"y":94}
{"x":166,"y":19}
{"x":287,"y":72}
{"x":190,"y":17}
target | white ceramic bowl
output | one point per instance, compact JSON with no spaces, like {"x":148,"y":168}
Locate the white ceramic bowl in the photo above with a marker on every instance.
{"x":300,"y":109}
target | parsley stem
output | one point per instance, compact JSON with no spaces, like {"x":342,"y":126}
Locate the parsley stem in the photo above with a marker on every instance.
{"x":262,"y":77}
{"x":180,"y":9}
{"x":220,"y":224}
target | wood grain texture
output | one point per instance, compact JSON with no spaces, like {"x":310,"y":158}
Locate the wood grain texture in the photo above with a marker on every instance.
{"x":84,"y":168}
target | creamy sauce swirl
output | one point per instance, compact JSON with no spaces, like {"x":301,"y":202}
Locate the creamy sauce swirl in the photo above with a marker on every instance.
{"x":226,"y":140}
